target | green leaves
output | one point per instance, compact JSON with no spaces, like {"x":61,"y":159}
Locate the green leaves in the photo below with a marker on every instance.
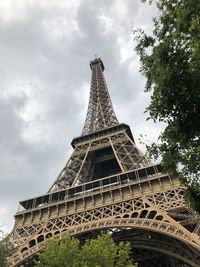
{"x":123,"y":255}
{"x":5,"y":249}
{"x":58,"y":253}
{"x":99,"y":252}
{"x":170,"y":60}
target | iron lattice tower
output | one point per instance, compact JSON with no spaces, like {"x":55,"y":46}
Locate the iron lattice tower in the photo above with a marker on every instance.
{"x":109,"y":185}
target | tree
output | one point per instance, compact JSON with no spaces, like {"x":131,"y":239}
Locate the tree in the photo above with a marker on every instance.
{"x":99,"y":252}
{"x":58,"y":253}
{"x":5,"y":249}
{"x":170,"y":60}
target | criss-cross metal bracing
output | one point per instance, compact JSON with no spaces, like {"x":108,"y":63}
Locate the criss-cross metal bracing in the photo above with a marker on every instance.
{"x":153,"y":204}
{"x":100,"y":112}
{"x":109,"y":185}
{"x":114,"y":146}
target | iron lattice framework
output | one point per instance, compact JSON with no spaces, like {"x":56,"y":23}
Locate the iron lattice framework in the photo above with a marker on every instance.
{"x":100,"y":112}
{"x":109,"y":185}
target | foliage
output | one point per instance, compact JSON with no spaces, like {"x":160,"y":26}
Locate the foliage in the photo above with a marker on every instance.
{"x":5,"y":249}
{"x":99,"y":252}
{"x":58,"y":253}
{"x":170,"y":60}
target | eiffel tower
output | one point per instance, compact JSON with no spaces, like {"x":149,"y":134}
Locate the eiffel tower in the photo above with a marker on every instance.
{"x":109,"y":185}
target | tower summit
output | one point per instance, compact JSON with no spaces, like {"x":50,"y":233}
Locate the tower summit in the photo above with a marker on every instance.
{"x":100,"y":112}
{"x":108,"y":184}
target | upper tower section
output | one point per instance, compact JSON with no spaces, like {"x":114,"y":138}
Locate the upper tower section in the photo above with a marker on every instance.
{"x":100,"y":113}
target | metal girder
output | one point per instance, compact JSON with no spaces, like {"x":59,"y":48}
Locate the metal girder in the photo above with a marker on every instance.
{"x":138,"y":213}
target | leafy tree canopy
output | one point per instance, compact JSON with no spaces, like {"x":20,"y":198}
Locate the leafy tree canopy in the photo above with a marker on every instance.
{"x":100,"y":252}
{"x":170,"y":60}
{"x":5,"y":249}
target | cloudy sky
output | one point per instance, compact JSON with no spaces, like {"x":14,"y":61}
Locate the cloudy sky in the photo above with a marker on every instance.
{"x":45,"y":49}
